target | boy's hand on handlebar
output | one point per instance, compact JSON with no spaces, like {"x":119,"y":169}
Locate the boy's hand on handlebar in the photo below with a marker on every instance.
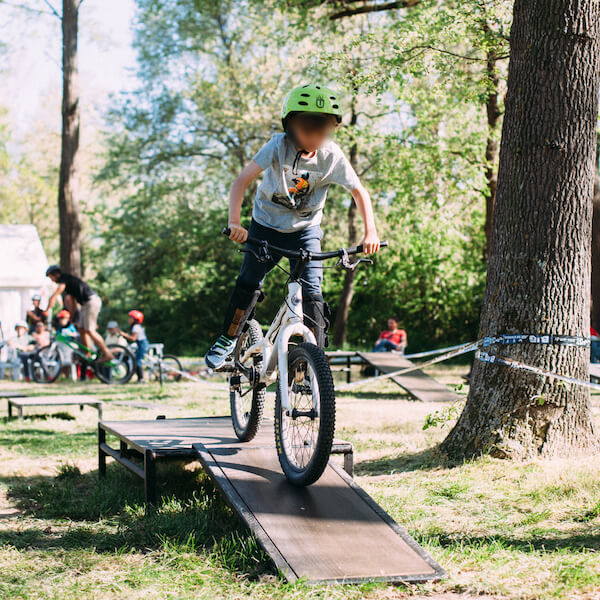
{"x":237,"y":233}
{"x":370,"y":243}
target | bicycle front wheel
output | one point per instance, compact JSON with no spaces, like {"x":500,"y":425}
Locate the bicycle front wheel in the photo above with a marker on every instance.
{"x":304,"y":432}
{"x":46,"y":364}
{"x":119,"y":370}
{"x":170,"y":369}
{"x":246,"y":398}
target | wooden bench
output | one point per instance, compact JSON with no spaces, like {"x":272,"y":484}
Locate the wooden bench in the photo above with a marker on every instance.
{"x":20,"y":403}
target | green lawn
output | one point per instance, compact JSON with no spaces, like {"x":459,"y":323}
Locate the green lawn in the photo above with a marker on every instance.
{"x":501,"y":530}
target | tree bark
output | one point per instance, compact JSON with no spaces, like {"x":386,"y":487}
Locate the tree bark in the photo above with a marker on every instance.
{"x":595,"y":312}
{"x":491,"y":150}
{"x":539,"y":266}
{"x":68,"y":190}
{"x":340,"y":326}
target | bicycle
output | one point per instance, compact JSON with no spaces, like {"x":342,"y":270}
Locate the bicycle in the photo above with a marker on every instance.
{"x":165,"y":368}
{"x":305,"y":396}
{"x":46,"y":363}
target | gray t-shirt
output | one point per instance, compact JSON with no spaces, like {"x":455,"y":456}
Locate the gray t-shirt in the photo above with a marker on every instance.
{"x":293,"y":191}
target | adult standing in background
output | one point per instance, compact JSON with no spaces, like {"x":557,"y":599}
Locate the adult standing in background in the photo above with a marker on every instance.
{"x":76,"y":291}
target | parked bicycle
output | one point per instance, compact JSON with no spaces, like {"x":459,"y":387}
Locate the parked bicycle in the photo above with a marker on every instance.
{"x":305,"y":398}
{"x":165,"y":368}
{"x":46,"y":363}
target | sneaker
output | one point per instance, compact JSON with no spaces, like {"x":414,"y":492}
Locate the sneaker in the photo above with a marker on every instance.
{"x":221,"y":350}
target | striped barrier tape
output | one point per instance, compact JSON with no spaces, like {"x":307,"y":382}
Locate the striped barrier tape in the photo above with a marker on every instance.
{"x":505,"y":339}
{"x":514,"y":364}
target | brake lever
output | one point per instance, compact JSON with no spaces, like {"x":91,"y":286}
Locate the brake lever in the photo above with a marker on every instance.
{"x":344,"y":261}
{"x":262,"y":255}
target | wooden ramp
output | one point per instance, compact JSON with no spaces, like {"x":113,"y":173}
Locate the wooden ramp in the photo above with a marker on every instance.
{"x":332,"y":531}
{"x":418,"y":384}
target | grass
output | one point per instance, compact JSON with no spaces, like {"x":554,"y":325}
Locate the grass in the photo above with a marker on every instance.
{"x":502,"y":530}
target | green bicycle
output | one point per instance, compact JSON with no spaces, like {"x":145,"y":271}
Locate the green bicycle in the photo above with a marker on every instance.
{"x":47,"y":362}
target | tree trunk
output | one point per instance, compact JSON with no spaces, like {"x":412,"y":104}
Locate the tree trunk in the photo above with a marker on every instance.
{"x":539,"y":266}
{"x":491,"y":149}
{"x":596,"y":246}
{"x":343,"y":310}
{"x":68,"y":189}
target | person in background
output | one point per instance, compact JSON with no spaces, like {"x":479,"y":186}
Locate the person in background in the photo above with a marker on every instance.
{"x":64,"y":325}
{"x":36,"y":314}
{"x":41,"y":335}
{"x":25,"y":346}
{"x":76,"y":291}
{"x":137,"y":334}
{"x":391,"y":339}
{"x":113,"y":335}
{"x":594,"y":346}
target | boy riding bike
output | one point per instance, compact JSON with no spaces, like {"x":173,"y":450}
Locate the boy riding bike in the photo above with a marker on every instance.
{"x":300,"y":165}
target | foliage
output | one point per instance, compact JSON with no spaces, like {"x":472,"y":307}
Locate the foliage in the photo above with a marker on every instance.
{"x":213,"y":75}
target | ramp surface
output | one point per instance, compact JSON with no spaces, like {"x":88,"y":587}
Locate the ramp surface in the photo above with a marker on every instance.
{"x":332,"y":531}
{"x":418,"y":384}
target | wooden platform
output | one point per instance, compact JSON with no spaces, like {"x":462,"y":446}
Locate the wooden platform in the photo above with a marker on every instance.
{"x":71,"y":400}
{"x":330,"y":532}
{"x":418,"y":384}
{"x":147,"y":442}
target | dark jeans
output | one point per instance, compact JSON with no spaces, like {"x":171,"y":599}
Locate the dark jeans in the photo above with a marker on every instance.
{"x":253,"y":272}
{"x":384,"y":346}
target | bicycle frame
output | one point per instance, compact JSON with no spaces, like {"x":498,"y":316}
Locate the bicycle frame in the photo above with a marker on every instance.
{"x":274,"y":347}
{"x":78,"y":348}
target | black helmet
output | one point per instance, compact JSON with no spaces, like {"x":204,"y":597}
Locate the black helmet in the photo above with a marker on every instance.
{"x":52,"y":269}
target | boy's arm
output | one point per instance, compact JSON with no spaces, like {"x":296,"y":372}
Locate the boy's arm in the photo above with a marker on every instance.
{"x":236,"y":197}
{"x":363,"y":201}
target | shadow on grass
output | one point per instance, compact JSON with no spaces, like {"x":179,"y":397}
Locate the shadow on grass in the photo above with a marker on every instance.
{"x":373,"y":395}
{"x":35,"y":441}
{"x":431,"y":458}
{"x":575,"y":542}
{"x":109,"y":515}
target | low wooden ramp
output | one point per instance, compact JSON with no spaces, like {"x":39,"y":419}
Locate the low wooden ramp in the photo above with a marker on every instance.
{"x":418,"y":384}
{"x":332,"y":531}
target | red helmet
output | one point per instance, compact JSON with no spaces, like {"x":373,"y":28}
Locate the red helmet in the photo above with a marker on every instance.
{"x":63,"y":314}
{"x":138,"y":315}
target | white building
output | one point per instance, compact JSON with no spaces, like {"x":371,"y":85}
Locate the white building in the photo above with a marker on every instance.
{"x":23,"y":265}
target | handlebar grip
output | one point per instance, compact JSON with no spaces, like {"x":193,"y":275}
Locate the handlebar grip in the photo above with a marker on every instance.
{"x":226,"y":231}
{"x":360,"y":249}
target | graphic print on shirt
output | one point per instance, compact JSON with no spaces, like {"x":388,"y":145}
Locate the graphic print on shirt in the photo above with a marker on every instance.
{"x":300,"y":185}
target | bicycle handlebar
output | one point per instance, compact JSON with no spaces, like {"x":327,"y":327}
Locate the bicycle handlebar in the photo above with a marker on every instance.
{"x":298,"y":254}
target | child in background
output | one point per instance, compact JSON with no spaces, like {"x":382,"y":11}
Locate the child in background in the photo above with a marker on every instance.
{"x":64,"y":326}
{"x":137,"y":334}
{"x":24,"y":345}
{"x":41,"y":335}
{"x":113,"y":335}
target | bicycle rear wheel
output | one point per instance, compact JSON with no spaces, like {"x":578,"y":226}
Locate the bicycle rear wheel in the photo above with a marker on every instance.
{"x":170,"y":369}
{"x":304,"y":433}
{"x":119,"y":370}
{"x":46,"y":364}
{"x":246,"y":398}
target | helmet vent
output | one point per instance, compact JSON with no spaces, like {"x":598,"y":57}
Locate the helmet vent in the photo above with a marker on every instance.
{"x":302,"y":103}
{"x":305,"y":95}
{"x":318,"y":87}
{"x":332,"y":97}
{"x":334,"y":106}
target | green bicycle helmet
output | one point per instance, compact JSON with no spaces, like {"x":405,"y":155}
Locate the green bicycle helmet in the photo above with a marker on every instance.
{"x":312,"y":99}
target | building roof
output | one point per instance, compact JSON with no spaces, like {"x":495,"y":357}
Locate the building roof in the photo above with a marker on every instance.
{"x":23,"y":262}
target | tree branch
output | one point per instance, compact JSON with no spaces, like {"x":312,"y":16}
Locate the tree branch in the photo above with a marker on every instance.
{"x":361,"y":10}
{"x":54,"y":11}
{"x":37,"y":11}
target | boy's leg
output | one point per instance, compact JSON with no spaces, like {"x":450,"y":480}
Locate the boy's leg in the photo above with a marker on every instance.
{"x":241,"y":304}
{"x":316,"y":311}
